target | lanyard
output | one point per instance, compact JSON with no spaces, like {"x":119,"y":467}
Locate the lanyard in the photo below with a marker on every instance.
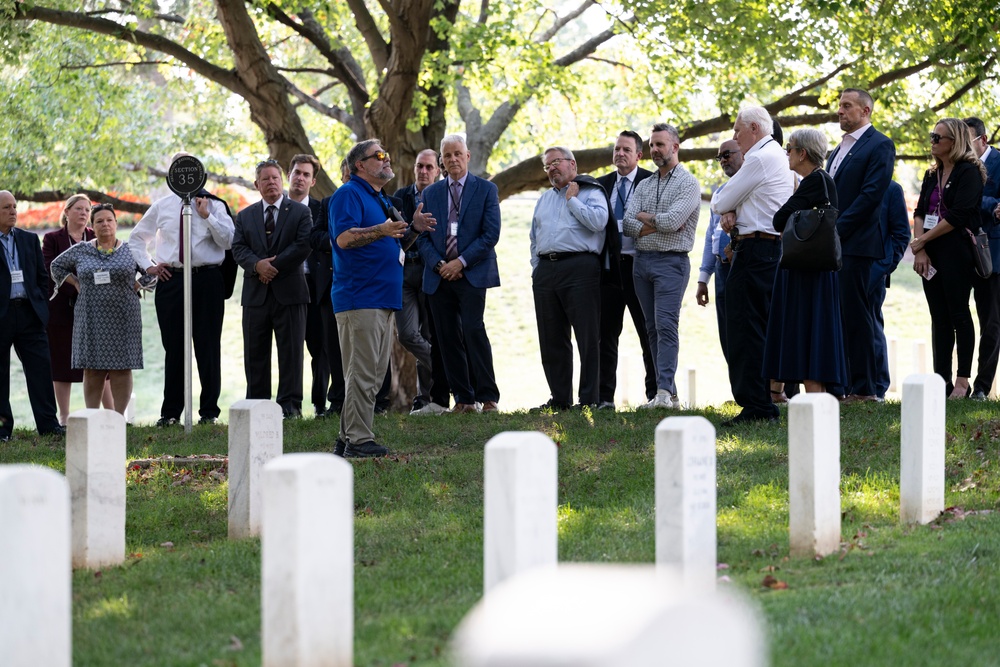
{"x":628,"y":195}
{"x":665,"y":184}
{"x":9,"y":249}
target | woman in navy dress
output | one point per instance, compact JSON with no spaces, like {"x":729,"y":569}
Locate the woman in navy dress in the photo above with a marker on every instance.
{"x":804,"y":339}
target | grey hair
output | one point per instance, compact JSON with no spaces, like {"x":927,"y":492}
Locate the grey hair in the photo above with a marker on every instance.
{"x":454,"y":139}
{"x":757,"y":115}
{"x":357,"y":153}
{"x":812,"y":142}
{"x":565,"y":152}
{"x":669,"y":129}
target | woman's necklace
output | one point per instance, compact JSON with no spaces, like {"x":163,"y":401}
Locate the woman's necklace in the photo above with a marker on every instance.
{"x":107,"y":251}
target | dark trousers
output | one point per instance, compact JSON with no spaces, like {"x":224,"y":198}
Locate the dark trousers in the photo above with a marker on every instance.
{"x":458,"y":309}
{"x":876,"y":297}
{"x":567,"y":295}
{"x":858,"y":324}
{"x":986,"y":291}
{"x":614,"y":301}
{"x":207,"y":310}
{"x":316,"y":346}
{"x":288,"y":325}
{"x":22,"y":329}
{"x":440,"y":389}
{"x":748,"y":303}
{"x":721,"y":274}
{"x":952,"y":327}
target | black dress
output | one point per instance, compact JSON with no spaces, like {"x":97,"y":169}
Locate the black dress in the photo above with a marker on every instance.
{"x":804,"y":339}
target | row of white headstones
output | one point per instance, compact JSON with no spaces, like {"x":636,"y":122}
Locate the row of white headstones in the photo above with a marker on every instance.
{"x":533,"y":611}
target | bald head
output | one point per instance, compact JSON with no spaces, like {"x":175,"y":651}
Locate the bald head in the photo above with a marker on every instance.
{"x":730,"y":157}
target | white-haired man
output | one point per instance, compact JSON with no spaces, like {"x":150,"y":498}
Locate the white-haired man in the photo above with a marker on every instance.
{"x":747,"y":205}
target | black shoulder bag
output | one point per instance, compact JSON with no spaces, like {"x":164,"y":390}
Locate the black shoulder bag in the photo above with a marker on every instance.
{"x":810,"y":241}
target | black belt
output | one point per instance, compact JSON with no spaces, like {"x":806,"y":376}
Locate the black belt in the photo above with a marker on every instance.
{"x":756,"y":235}
{"x":556,"y":256}
{"x":194,"y":269}
{"x":19,"y":301}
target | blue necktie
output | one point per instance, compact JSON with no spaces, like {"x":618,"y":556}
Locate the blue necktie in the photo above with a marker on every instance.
{"x":620,"y":199}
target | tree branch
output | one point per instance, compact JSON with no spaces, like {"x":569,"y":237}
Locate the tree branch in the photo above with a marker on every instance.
{"x":585,"y":49}
{"x":558,"y":24}
{"x":369,"y":30}
{"x":223,"y":77}
{"x":333,"y":112}
{"x":47,"y":196}
{"x":121,"y":63}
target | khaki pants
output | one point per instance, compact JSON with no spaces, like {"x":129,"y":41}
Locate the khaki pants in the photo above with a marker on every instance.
{"x":365,"y":343}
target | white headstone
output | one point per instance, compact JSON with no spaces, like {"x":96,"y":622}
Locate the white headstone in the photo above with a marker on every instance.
{"x":893,"y":351}
{"x":35,"y":570}
{"x":521,"y":500}
{"x":255,"y":431}
{"x":692,"y":387}
{"x":307,"y":562}
{"x":813,"y":474}
{"x":95,"y":470}
{"x":686,"y":499}
{"x":921,"y":461}
{"x":608,"y":616}
{"x":919,"y":357}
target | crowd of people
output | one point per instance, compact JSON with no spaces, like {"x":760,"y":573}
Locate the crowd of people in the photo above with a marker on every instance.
{"x":338,"y":277}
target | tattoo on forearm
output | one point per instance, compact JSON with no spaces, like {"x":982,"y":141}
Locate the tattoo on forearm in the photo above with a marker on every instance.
{"x":361,"y":237}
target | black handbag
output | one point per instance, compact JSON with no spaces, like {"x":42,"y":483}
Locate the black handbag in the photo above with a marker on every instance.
{"x":982,"y":260}
{"x":810,"y":241}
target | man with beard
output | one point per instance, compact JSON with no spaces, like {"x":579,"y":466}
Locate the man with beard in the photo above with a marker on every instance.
{"x":567,"y":236}
{"x":620,"y":186}
{"x":367,"y":289}
{"x":714,"y":258}
{"x":662,"y":218}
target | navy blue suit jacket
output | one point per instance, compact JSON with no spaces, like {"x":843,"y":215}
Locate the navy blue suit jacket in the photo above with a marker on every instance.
{"x":991,"y":197}
{"x":862,"y":179}
{"x":36,"y":279}
{"x":478,"y":232}
{"x":896,"y":221}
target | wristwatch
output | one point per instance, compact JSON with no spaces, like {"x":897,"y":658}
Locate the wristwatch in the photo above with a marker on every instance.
{"x":437,"y":267}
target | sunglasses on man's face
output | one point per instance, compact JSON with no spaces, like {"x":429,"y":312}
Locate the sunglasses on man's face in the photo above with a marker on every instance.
{"x":725,"y":155}
{"x":381,"y":156}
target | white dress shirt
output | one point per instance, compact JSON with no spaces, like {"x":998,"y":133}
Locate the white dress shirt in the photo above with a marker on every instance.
{"x":161,"y":224}
{"x":628,"y":243}
{"x":761,"y":186}
{"x":846,"y":144}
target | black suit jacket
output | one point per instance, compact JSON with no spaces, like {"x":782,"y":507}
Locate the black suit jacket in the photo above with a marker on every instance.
{"x":320,"y":262}
{"x":862,"y":179}
{"x":290,"y":247}
{"x":36,"y":279}
{"x":611,"y":258}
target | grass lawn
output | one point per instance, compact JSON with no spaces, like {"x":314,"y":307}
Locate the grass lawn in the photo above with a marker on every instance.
{"x":913,"y":595}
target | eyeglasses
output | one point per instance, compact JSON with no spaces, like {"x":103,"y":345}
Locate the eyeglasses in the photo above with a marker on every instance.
{"x":725,"y":155}
{"x":936,"y":138}
{"x":791,"y":147}
{"x":555,"y":163}
{"x":381,"y":156}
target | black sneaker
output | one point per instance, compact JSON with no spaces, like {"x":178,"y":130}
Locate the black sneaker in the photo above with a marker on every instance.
{"x":338,"y":449}
{"x":163,"y":422}
{"x":57,"y":430}
{"x":370,"y":449}
{"x":206,"y":420}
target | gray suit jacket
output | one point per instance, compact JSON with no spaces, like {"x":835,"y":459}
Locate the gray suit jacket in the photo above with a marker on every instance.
{"x":289,"y":247}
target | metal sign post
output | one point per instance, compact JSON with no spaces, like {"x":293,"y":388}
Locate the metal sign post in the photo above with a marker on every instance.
{"x":185,"y":177}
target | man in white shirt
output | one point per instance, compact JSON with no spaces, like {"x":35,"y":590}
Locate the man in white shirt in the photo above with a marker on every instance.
{"x":211,"y":236}
{"x":747,"y":205}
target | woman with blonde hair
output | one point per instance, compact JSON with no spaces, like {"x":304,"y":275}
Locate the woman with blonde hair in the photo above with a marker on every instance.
{"x":75,"y":218}
{"x":949,"y":203}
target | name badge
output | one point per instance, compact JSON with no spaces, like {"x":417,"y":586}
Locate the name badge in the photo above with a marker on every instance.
{"x":102,"y":277}
{"x":454,"y":229}
{"x":402,"y":257}
{"x":17,"y":276}
{"x":930,"y":221}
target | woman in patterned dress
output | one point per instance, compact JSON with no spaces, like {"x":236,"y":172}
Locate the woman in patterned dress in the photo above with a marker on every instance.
{"x":107,"y":327}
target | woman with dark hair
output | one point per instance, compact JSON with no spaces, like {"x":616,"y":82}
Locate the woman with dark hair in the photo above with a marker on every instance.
{"x":107,"y":328}
{"x":75,"y":217}
{"x":804,"y":338}
{"x":942,"y":254}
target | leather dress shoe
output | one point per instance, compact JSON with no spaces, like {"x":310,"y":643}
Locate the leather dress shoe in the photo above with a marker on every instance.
{"x":749,"y":418}
{"x":490,"y":406}
{"x":461,"y":408}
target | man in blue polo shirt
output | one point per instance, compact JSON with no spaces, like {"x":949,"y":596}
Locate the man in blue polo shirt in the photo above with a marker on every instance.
{"x":367,"y":288}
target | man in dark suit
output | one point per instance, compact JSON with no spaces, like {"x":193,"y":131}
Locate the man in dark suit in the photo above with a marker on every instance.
{"x":460,"y":264}
{"x":896,"y":221}
{"x":24,"y":312}
{"x":302,"y":172}
{"x":413,"y":323}
{"x":620,"y":184}
{"x":987,"y":290}
{"x":271,"y":243}
{"x":861,"y":166}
